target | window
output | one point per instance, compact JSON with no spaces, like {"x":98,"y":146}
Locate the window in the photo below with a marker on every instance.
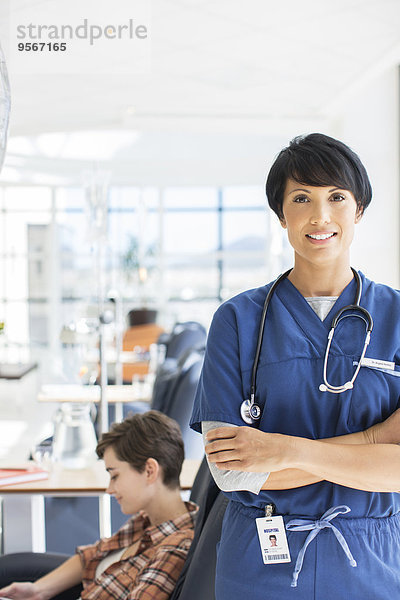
{"x":181,"y":249}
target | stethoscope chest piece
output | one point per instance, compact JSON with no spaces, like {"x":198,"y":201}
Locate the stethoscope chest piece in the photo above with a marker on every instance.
{"x":250,"y":412}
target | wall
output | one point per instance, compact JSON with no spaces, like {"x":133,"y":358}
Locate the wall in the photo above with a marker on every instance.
{"x":369,"y":123}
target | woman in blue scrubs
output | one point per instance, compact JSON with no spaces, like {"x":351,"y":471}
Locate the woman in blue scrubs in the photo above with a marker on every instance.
{"x":325,"y":464}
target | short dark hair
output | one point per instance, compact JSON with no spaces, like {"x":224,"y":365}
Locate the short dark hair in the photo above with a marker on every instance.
{"x":147,"y":435}
{"x":318,"y":160}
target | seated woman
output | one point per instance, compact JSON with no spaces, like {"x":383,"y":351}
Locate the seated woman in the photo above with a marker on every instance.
{"x":144,"y":456}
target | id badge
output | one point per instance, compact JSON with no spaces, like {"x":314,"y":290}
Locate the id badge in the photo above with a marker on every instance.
{"x":273,"y":542}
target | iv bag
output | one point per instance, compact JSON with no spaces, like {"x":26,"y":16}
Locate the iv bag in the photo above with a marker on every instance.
{"x":5,"y":103}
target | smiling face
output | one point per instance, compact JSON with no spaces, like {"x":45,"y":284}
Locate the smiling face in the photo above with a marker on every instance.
{"x":131,"y":489}
{"x":320,"y":222}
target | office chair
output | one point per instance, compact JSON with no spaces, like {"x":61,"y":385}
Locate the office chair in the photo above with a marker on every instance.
{"x":201,"y":484}
{"x":180,"y":399}
{"x":29,"y":566}
{"x":197,"y":579}
{"x":183,"y":336}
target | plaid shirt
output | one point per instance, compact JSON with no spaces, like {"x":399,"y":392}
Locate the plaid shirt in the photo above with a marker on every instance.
{"x":152,"y":572}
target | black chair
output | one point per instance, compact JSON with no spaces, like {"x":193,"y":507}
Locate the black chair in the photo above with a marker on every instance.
{"x":197,"y":579}
{"x":199,"y":583}
{"x":181,"y":341}
{"x":29,"y":566}
{"x":179,"y":399}
{"x":165,"y":375}
{"x":183,"y":336}
{"x":201,"y":484}
{"x":174,"y":392}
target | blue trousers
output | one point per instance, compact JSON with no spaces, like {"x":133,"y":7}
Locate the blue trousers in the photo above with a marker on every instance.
{"x":326,"y":573}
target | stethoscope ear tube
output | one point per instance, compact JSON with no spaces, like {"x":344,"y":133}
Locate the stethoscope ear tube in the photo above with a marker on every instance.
{"x":355,"y":309}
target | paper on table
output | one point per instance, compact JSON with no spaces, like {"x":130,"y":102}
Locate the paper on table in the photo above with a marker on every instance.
{"x":11,"y":476}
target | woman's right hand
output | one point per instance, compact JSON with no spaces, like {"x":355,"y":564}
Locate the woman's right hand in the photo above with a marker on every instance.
{"x":24,"y":590}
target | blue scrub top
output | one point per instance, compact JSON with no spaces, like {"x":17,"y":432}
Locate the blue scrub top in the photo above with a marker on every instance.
{"x":288,"y":379}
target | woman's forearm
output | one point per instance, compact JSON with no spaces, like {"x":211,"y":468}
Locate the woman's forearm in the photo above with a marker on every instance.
{"x":293,"y":478}
{"x":63,"y":577}
{"x":368,"y":467}
{"x":287,"y":479}
{"x":387,"y":432}
{"x":367,"y":460}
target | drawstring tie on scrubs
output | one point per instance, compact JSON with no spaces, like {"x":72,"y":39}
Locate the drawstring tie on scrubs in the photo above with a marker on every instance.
{"x":315,"y":527}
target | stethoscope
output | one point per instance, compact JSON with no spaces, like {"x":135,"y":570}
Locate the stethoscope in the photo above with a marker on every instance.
{"x":250,"y":411}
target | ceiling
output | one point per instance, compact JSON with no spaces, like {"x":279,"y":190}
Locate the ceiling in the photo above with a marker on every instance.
{"x":225,"y":69}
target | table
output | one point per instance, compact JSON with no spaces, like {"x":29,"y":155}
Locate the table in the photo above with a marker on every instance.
{"x":80,"y":482}
{"x":16,"y":371}
{"x":88,"y":393}
{"x":115,"y":394}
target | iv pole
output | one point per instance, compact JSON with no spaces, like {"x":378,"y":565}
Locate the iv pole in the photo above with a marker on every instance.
{"x":97,"y":208}
{"x":5,"y":105}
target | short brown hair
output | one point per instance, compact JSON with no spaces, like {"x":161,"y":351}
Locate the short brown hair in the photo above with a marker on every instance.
{"x":147,"y":435}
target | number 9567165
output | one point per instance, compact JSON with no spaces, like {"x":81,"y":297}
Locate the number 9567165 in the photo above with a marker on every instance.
{"x":42,"y":46}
